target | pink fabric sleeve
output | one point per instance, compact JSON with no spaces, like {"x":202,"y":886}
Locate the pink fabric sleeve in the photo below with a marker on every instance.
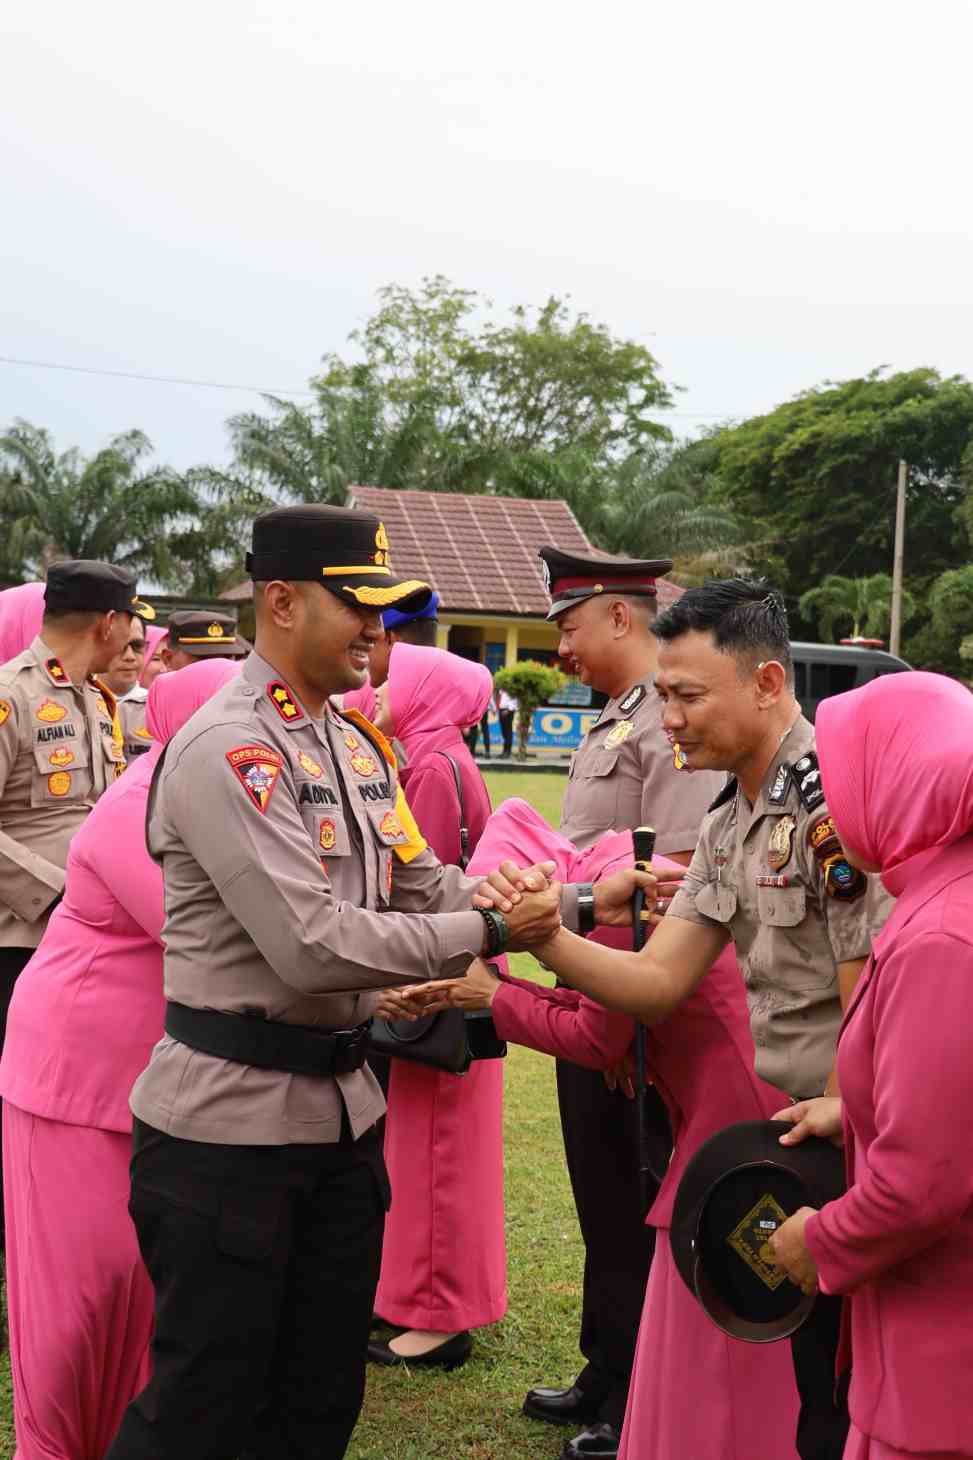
{"x":569,"y":998}
{"x":585,"y":1033}
{"x":916,"y":1178}
{"x":122,"y":863}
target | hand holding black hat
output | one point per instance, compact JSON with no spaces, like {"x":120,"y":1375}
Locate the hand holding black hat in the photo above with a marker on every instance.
{"x":818,"y":1117}
{"x":791,"y":1252}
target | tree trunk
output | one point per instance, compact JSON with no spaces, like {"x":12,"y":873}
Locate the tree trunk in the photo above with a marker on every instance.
{"x":524,"y":717}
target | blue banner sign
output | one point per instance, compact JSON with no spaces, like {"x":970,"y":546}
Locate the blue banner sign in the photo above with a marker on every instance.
{"x":551,"y":729}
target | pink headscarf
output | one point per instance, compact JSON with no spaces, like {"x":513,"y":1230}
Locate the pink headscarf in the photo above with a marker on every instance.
{"x":897,"y":770}
{"x":433,"y":695}
{"x":21,"y":615}
{"x":360,"y":699}
{"x":174,"y":698}
{"x":153,"y":636}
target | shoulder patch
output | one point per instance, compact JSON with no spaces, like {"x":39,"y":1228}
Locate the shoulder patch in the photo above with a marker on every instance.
{"x":782,"y":784}
{"x":4,"y":710}
{"x":633,"y":699}
{"x":843,"y":881}
{"x":823,"y":840}
{"x":727,"y":794}
{"x":258,"y":771}
{"x":283,"y":702}
{"x":807,"y":779}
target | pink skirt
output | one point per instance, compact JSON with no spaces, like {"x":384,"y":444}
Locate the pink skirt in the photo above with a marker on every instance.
{"x":863,"y":1447}
{"x":444,"y":1263}
{"x":697,"y":1393}
{"x":79,"y":1298}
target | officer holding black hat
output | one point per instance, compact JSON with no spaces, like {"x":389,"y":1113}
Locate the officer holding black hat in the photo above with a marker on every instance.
{"x":622,"y":776}
{"x":296,"y":882}
{"x":60,"y":746}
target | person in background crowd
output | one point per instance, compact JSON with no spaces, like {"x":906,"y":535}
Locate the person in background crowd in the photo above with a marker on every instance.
{"x":401,"y":626}
{"x":444,"y":1259}
{"x":60,"y":746}
{"x":86,"y":1013}
{"x":194,"y":634}
{"x":21,"y":616}
{"x":623,"y":775}
{"x":123,"y":679}
{"x":696,"y":1394}
{"x":900,"y":1241}
{"x":154,"y":664}
{"x":507,"y":707}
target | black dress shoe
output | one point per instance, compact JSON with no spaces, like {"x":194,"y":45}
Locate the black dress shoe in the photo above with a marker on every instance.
{"x":449,"y":1355}
{"x":560,"y":1406}
{"x":599,"y":1442}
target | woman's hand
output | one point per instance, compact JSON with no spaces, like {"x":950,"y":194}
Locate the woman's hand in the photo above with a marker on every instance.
{"x":506,"y":886}
{"x":390,"y":1004}
{"x":818,"y":1117}
{"x":791,"y":1251}
{"x":473,"y":992}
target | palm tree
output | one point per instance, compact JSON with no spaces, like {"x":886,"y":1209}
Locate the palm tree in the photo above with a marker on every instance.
{"x":663,"y":503}
{"x":862,"y":604}
{"x":111,"y":506}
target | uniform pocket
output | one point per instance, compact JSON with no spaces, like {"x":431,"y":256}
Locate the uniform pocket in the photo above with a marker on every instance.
{"x":62,"y":765}
{"x":717,"y":900}
{"x":327,"y":831}
{"x":781,"y":907}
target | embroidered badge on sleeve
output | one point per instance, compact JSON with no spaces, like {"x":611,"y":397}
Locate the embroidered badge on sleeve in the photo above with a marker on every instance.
{"x":4,"y":711}
{"x":258,"y":770}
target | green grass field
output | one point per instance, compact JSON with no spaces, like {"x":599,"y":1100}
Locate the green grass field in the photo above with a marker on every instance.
{"x":474,"y":1413}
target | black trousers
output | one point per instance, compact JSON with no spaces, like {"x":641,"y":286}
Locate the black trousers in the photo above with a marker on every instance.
{"x":507,"y":731}
{"x":12,"y":962}
{"x":822,"y":1425}
{"x":265,"y":1261}
{"x":601,"y":1145}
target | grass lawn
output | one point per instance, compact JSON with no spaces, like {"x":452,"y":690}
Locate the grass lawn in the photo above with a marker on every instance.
{"x":474,"y":1413}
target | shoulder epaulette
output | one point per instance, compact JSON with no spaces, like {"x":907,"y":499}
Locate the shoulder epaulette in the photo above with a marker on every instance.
{"x":633,"y":699}
{"x":807,"y":779}
{"x":727,"y":794}
{"x":781,"y":788}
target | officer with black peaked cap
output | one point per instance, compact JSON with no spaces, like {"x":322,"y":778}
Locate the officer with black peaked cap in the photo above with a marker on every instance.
{"x":195,"y":633}
{"x":297,"y":885}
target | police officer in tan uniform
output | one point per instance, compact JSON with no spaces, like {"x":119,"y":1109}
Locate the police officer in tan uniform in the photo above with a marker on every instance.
{"x":296,"y":882}
{"x":60,"y":746}
{"x":623,"y":775}
{"x":768,"y":873}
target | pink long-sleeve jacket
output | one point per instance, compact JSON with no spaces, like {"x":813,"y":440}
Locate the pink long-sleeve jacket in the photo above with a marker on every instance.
{"x":897,"y":768}
{"x":88,"y":1007}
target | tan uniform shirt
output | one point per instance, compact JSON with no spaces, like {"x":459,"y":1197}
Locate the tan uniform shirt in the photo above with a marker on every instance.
{"x":131,"y":715}
{"x":58,"y":754}
{"x":277,"y":835}
{"x":760,"y":873}
{"x":623,"y":775}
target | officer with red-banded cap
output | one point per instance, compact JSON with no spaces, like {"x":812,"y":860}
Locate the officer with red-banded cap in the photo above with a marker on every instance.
{"x":60,"y":746}
{"x":296,"y":884}
{"x":623,"y":775}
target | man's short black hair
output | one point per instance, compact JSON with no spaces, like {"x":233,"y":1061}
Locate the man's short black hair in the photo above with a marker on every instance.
{"x":746,"y":617}
{"x":420,"y":631}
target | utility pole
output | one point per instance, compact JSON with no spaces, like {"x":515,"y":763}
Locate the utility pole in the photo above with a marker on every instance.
{"x":895,"y":631}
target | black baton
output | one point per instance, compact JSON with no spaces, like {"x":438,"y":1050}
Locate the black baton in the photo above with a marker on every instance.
{"x":643,"y":842}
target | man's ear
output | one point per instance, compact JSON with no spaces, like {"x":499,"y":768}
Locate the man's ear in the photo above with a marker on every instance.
{"x":280,"y":599}
{"x":770,"y":678}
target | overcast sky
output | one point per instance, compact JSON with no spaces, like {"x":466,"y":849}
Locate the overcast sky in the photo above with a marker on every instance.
{"x":766,"y":194}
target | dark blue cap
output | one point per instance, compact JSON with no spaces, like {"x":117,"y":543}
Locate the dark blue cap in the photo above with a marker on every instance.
{"x":392,"y":618}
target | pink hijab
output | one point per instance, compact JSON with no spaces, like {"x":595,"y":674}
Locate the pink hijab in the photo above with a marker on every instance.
{"x":153,"y":635}
{"x":21,"y":616}
{"x":433,"y":695}
{"x":173,"y":699}
{"x":360,"y":699}
{"x":897,"y":770}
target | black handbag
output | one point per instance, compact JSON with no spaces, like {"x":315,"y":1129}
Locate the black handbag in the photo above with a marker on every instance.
{"x":450,"y":1040}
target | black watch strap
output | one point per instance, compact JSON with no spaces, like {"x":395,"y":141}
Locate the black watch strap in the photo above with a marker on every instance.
{"x":498,"y":933}
{"x":586,"y":909}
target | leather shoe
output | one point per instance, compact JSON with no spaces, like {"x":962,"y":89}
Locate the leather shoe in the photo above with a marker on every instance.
{"x":449,"y":1355}
{"x":560,"y":1406}
{"x":600,"y":1442}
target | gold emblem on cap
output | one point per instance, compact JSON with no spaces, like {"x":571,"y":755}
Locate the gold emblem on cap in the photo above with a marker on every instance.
{"x":779,"y":845}
{"x":214,"y":631}
{"x":382,"y":543}
{"x":750,"y":1240}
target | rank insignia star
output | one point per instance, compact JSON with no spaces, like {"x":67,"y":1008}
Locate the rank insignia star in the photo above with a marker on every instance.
{"x":50,"y":712}
{"x":257,"y":769}
{"x":57,"y":671}
{"x":283,"y":702}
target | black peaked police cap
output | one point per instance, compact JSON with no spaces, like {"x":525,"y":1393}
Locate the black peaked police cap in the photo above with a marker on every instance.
{"x":83,"y":585}
{"x":345,"y":551}
{"x":736,"y":1191}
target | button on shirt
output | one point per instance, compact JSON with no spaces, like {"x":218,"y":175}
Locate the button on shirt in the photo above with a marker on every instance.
{"x":623,"y":775}
{"x":282,"y":841}
{"x":790,"y":934}
{"x":59,"y":750}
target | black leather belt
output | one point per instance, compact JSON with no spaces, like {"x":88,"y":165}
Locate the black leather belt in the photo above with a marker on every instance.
{"x":266,"y":1043}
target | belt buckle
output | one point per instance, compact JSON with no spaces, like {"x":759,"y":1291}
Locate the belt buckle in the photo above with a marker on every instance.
{"x":350,"y":1051}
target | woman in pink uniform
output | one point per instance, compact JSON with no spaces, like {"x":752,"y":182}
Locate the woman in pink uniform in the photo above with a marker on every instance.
{"x":897,"y":769}
{"x":444,"y":1268}
{"x":695,"y":1392}
{"x":152,"y":664}
{"x":86,"y":1012}
{"x":21,"y":615}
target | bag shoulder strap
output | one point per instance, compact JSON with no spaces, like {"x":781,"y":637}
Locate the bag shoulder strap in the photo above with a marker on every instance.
{"x":464,"y":833}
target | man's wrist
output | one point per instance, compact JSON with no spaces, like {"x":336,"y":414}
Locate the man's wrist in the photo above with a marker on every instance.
{"x":586,"y":908}
{"x":496,"y":933}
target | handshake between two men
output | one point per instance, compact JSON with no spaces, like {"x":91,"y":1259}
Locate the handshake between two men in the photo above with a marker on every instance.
{"x":529,"y":903}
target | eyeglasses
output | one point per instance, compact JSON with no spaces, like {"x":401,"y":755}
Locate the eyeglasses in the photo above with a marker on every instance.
{"x":137,"y":646}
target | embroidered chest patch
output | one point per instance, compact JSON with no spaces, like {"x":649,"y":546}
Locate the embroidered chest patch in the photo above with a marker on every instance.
{"x":50,"y":711}
{"x":258,"y":771}
{"x":619,"y":732}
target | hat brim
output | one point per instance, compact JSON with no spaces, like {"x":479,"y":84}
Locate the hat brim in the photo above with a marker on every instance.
{"x":215,"y":650}
{"x":363,"y":592}
{"x":561,"y":605}
{"x":814,"y":1167}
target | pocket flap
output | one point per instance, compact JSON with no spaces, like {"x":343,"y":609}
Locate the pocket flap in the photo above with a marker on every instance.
{"x":781,"y":907}
{"x":717,"y":900}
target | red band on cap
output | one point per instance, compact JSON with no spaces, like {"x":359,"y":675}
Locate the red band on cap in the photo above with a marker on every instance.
{"x":561,"y":585}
